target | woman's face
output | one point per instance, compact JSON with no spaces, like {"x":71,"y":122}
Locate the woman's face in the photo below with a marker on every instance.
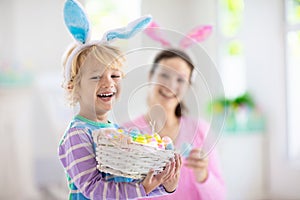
{"x":170,"y":81}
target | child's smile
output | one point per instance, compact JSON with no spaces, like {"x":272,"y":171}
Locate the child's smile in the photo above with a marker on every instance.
{"x":99,"y":88}
{"x":106,"y":96}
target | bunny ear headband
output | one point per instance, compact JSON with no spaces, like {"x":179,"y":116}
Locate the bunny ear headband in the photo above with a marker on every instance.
{"x":78,"y":25}
{"x":196,"y":35}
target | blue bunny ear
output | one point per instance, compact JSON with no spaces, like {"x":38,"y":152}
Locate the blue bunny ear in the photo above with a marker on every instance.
{"x":128,"y":31}
{"x":76,"y":21}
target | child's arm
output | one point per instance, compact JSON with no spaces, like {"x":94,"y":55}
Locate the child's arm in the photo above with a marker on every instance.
{"x":78,"y":158}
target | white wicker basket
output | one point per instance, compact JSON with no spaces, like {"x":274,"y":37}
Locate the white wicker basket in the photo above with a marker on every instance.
{"x":121,"y":157}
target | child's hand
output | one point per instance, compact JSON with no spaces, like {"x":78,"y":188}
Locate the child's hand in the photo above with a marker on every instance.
{"x":198,"y":164}
{"x":171,"y":183}
{"x":153,"y":181}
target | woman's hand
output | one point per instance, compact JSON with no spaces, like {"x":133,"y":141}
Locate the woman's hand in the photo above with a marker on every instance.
{"x":198,"y":164}
{"x":169,"y":177}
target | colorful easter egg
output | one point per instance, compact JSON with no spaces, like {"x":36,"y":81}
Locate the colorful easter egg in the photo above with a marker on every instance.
{"x":185,"y":149}
{"x":141,"y":139}
{"x":168,"y":143}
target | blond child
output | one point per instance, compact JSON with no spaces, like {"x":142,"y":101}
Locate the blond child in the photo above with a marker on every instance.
{"x":92,"y":80}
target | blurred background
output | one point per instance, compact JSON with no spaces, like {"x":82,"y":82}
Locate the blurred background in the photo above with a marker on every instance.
{"x":255,"y":45}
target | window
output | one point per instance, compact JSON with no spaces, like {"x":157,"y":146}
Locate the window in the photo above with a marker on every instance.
{"x":232,"y":61}
{"x":110,"y":14}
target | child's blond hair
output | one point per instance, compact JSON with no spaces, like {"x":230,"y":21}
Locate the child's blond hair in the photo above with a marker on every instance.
{"x":109,"y":56}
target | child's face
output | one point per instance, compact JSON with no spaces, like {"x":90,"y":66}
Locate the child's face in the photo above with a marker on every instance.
{"x":99,"y":87}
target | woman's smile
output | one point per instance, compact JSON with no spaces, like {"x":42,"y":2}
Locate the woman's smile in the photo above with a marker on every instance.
{"x":166,"y":94}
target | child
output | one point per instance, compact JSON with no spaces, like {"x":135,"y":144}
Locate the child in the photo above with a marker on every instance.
{"x":92,"y":79}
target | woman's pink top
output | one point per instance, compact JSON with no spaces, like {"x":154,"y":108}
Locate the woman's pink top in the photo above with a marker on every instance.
{"x":191,"y":131}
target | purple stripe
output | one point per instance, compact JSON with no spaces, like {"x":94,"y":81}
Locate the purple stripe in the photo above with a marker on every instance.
{"x":93,"y":177}
{"x":74,"y":155}
{"x":82,"y":166}
{"x":122,"y":189}
{"x":96,"y":184}
{"x":80,"y":137}
{"x":70,"y":143}
{"x":159,"y":191}
{"x":131,"y":190}
{"x":111,"y":190}
{"x":74,"y":129}
{"x":81,"y":152}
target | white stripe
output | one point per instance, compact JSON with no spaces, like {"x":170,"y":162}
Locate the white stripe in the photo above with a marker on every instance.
{"x":138,"y":191}
{"x":117,"y":191}
{"x":79,"y":160}
{"x":74,"y":191}
{"x":126,"y":194}
{"x":105,"y":190}
{"x":74,"y":148}
{"x":77,"y":132}
{"x":86,"y":184}
{"x":83,"y":173}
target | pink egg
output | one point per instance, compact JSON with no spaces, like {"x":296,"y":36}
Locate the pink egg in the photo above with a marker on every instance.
{"x":161,"y":146}
{"x":167,"y":140}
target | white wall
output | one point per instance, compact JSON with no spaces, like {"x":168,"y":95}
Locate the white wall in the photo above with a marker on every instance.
{"x":33,"y":33}
{"x":264,"y":34}
{"x":7,"y":33}
{"x":183,"y":16}
{"x":39,"y":37}
{"x":39,"y":33}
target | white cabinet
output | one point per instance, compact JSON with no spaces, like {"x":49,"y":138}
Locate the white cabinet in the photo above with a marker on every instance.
{"x":243,"y":161}
{"x":16,"y":144}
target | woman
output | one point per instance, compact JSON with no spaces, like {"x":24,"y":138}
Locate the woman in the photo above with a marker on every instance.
{"x":171,"y":75}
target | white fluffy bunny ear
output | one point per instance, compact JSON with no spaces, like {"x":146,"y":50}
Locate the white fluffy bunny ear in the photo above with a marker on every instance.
{"x":154,"y":32}
{"x":128,"y":31}
{"x":198,"y":34}
{"x":76,"y":21}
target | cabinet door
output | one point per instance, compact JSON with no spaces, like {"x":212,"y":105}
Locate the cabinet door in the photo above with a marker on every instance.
{"x":16,"y":144}
{"x":243,"y":163}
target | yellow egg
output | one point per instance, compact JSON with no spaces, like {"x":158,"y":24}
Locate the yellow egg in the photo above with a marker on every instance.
{"x":120,"y":130}
{"x":141,"y":139}
{"x":157,"y":137}
{"x":148,"y":136}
